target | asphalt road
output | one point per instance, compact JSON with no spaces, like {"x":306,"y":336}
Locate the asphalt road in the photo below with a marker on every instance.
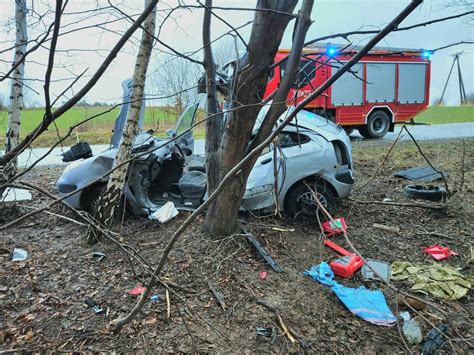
{"x":442,"y":131}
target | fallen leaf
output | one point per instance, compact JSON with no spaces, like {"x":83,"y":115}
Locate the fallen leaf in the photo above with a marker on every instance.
{"x":150,"y":321}
{"x":29,"y":335}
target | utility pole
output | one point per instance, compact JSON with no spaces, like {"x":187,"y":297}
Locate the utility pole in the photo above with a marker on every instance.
{"x":462,"y":90}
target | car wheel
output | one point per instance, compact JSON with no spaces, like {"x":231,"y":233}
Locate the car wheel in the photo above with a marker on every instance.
{"x":378,"y":124}
{"x":300,"y":200}
{"x":430,"y":193}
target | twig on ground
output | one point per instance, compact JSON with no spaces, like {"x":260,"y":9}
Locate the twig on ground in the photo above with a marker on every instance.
{"x":402,"y":204}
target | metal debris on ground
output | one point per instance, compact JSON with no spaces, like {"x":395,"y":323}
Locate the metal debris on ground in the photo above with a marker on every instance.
{"x":13,"y":194}
{"x":99,"y":256}
{"x":19,"y":254}
{"x":440,"y":253}
{"x":381,"y":267}
{"x":423,"y":173}
{"x":262,"y":250}
{"x":93,"y":305}
{"x":267,"y":332}
{"x":164,"y":214}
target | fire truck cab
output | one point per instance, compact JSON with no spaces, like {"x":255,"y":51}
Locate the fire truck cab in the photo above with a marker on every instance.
{"x":387,"y":86}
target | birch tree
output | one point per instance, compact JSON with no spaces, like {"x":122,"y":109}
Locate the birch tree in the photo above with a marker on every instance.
{"x":114,"y":189}
{"x":16,"y":95}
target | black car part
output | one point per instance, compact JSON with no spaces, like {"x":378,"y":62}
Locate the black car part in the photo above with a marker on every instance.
{"x":430,"y":193}
{"x":81,"y":150}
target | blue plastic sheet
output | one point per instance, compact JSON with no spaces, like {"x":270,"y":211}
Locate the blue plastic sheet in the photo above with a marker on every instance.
{"x":367,"y":304}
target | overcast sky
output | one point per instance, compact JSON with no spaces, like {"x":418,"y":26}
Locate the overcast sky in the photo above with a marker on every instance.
{"x":183,"y":32}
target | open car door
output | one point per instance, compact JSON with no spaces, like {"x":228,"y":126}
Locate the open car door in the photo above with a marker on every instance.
{"x":184,"y":131}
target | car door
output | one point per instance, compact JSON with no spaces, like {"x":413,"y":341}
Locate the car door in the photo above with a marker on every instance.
{"x":184,"y":132}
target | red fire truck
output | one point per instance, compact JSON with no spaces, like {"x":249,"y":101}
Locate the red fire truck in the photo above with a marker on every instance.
{"x":387,"y":86}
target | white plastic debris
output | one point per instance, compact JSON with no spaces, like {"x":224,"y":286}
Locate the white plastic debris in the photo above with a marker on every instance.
{"x":19,"y":254}
{"x":12,"y":194}
{"x":165,"y":213}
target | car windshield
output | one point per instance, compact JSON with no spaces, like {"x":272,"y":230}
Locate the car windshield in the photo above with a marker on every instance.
{"x":186,"y":120}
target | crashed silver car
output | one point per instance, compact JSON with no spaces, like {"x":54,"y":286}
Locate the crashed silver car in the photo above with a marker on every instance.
{"x":310,"y":149}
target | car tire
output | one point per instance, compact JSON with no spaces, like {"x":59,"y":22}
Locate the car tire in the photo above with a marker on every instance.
{"x":378,"y":124}
{"x":298,"y":200}
{"x":430,"y":193}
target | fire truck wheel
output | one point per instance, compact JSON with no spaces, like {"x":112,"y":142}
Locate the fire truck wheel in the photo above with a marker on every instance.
{"x":377,"y":124}
{"x":349,"y":131}
{"x":300,"y":201}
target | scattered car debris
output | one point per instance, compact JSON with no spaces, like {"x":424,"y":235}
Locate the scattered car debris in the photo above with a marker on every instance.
{"x":81,"y":150}
{"x":218,"y":295}
{"x":99,"y":256}
{"x":382,"y":268}
{"x":440,"y":253}
{"x":267,"y":332}
{"x":93,"y":305}
{"x":19,"y":254}
{"x":13,"y":194}
{"x":434,"y":339}
{"x":348,"y":264}
{"x":386,"y":199}
{"x":369,"y":305}
{"x":423,"y":174}
{"x":411,"y":329}
{"x":263,"y":275}
{"x":334,"y":227}
{"x":137,"y":290}
{"x":262,"y":250}
{"x":155,"y":298}
{"x":430,"y":193}
{"x":383,"y":227}
{"x":441,"y":281}
{"x":165,"y":213}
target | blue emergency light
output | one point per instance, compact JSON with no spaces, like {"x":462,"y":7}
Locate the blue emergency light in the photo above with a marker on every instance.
{"x":426,"y":54}
{"x":331,"y":51}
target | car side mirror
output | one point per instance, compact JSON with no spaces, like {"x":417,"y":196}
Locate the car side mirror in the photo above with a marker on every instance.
{"x":170,"y":133}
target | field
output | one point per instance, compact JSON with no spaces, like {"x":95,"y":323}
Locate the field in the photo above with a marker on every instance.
{"x":446,"y":114}
{"x":42,"y":298}
{"x":98,"y":130}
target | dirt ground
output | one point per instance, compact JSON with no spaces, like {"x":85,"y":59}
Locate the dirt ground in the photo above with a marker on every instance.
{"x":42,"y":299}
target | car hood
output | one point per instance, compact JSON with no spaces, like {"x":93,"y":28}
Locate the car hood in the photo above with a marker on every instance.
{"x":308,"y":120}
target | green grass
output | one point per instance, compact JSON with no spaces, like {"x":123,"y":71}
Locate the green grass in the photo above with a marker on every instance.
{"x":446,"y":114}
{"x":96,"y":131}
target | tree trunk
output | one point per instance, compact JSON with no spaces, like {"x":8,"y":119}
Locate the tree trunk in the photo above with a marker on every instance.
{"x":221,"y":217}
{"x":111,"y":196}
{"x":16,"y":96}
